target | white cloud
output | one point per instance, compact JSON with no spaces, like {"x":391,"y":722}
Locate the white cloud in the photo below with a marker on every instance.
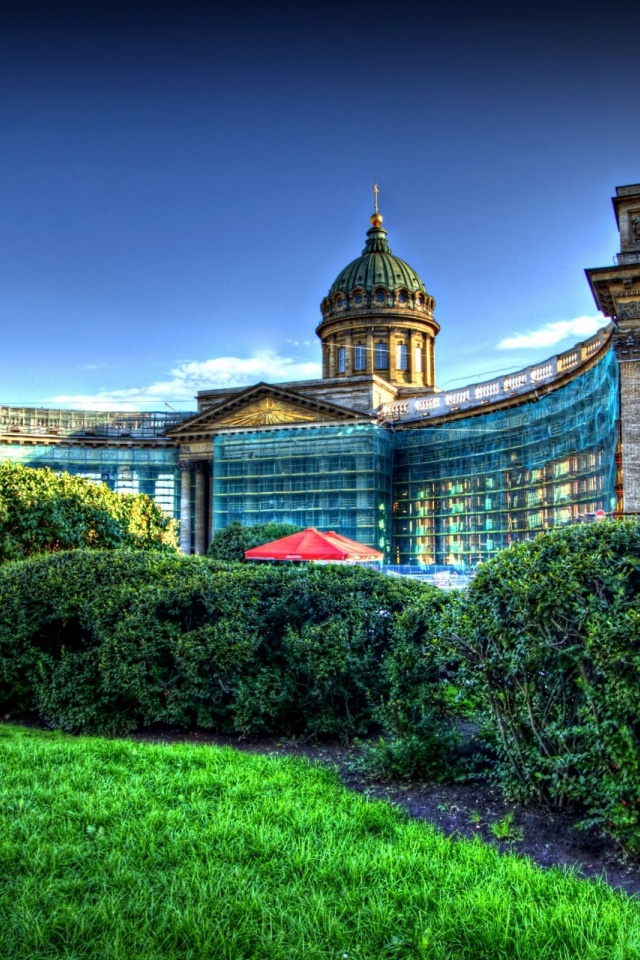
{"x":187,"y":378}
{"x":551,"y":333}
{"x":239,"y":371}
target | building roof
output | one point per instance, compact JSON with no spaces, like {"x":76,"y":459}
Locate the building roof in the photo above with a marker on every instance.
{"x":377,"y":267}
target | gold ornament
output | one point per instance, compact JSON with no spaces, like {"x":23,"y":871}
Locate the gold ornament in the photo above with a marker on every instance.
{"x":266,"y":412}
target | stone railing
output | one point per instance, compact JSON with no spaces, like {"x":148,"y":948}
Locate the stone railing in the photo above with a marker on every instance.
{"x":502,"y":388}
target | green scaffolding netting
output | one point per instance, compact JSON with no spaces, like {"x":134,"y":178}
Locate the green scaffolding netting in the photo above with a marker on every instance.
{"x":333,"y":478}
{"x":464,"y":490}
{"x":124,"y":469}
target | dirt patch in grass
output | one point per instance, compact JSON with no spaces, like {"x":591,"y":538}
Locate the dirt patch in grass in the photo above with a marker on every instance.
{"x":458,"y":810}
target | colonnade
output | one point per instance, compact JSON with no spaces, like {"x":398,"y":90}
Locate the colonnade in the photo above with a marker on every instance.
{"x":195,"y":501}
{"x":419,"y":371}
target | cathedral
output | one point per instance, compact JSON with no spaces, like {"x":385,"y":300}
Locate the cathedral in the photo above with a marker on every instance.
{"x":374,"y":450}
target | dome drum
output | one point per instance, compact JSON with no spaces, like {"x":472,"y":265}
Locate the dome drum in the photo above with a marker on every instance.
{"x":401,"y":355}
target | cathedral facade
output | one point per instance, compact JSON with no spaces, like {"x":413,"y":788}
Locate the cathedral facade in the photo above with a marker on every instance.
{"x":374,"y":450}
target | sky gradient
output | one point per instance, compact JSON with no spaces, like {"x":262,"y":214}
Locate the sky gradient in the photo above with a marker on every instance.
{"x":179,"y":188}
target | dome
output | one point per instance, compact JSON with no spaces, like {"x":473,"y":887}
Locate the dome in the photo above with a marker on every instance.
{"x":377,"y":319}
{"x":377,"y":267}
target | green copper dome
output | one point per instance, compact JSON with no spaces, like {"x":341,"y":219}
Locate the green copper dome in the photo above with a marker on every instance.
{"x":377,"y":267}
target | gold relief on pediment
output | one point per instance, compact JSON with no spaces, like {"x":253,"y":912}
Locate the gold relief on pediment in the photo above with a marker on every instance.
{"x":266,"y":412}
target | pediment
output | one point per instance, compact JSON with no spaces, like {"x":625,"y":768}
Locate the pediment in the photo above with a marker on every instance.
{"x":265,"y":411}
{"x":263,"y":405}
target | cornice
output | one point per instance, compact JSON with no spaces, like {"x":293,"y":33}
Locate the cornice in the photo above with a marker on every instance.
{"x":382,"y":321}
{"x":49,"y":440}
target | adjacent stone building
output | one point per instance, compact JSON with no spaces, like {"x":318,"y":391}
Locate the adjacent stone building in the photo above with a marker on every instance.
{"x":616,"y":291}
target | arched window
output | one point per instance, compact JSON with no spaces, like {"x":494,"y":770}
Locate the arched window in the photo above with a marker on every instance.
{"x":418,"y":360}
{"x":401,"y":356}
{"x":342,"y":359}
{"x":359,"y":357}
{"x":382,"y":356}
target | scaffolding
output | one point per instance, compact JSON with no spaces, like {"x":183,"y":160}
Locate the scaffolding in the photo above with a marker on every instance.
{"x":453,"y":492}
{"x":39,"y":421}
{"x":465,"y":490}
{"x":126,"y":469}
{"x":331,"y":477}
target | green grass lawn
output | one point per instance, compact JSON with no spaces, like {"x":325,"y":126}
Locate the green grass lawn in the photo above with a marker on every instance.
{"x":117,"y":849}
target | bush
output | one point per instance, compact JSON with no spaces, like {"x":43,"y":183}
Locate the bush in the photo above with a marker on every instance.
{"x":550,"y":633}
{"x":233,"y":541}
{"x":430,"y":755}
{"x":107,"y":642}
{"x":420,"y":697}
{"x":44,"y":512}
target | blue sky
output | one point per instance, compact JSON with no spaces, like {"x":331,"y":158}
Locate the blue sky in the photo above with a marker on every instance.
{"x":179,"y":187}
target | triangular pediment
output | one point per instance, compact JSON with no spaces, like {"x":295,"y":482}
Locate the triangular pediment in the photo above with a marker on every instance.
{"x":264,"y":405}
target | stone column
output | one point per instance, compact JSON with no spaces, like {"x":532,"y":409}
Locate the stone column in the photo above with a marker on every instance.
{"x":411,"y":360}
{"x":348,"y":343}
{"x":392,"y":372}
{"x":201,"y":471}
{"x":185,"y":506}
{"x":421,"y":378}
{"x":332,"y":357}
{"x":429,"y":363}
{"x":369,"y":349}
{"x":433,"y":362}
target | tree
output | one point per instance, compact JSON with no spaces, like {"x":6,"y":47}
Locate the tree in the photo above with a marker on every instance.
{"x":43,"y":512}
{"x":231,"y":542}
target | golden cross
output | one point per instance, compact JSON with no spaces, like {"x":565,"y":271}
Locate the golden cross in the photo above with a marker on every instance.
{"x":375,"y":198}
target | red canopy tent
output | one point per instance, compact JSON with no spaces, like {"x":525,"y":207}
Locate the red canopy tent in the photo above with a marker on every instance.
{"x":312,"y":544}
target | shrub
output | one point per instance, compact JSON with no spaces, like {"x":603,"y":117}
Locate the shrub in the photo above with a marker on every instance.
{"x":550,"y":633}
{"x":419,"y":697}
{"x":232,"y":542}
{"x":429,"y":755}
{"x":106,"y":642}
{"x":43,"y":512}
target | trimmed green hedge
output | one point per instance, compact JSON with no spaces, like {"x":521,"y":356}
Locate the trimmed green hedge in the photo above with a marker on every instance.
{"x":549,"y":634}
{"x":419,"y":696}
{"x":111,"y":641}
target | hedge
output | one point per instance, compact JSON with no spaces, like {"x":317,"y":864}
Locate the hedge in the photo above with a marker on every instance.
{"x":549,"y":634}
{"x":544,"y":645}
{"x":111,"y":641}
